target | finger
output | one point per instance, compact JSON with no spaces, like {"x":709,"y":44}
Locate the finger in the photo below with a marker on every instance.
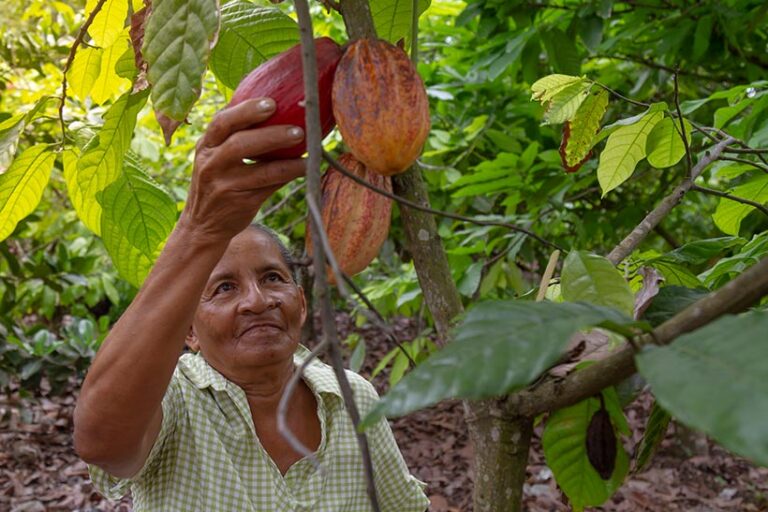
{"x":268,"y":174}
{"x":236,"y":118}
{"x":258,"y":141}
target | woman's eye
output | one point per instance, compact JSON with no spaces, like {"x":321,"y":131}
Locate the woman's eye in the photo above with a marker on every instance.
{"x":223,"y":288}
{"x":273,"y":277}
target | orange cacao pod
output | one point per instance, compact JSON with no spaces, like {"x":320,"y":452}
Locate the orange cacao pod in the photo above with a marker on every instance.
{"x":380,"y":106}
{"x":355,"y":218}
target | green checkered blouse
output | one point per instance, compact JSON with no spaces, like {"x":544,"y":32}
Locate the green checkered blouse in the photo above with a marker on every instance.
{"x":208,"y":458}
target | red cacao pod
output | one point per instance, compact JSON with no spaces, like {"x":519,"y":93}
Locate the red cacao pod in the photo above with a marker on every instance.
{"x":281,"y":78}
{"x":381,"y":106}
{"x":355,"y":218}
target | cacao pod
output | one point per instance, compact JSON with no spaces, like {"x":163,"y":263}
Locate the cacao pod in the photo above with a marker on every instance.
{"x":381,"y":106}
{"x":281,"y":78}
{"x":601,"y":442}
{"x":355,"y":218}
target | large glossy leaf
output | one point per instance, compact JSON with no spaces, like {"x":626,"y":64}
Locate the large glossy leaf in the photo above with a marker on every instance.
{"x":22,"y":185}
{"x":752,"y":252}
{"x":675,"y":274}
{"x":700,"y":252}
{"x":109,"y":21}
{"x":584,"y":125}
{"x":177,"y":42}
{"x":562,"y":52}
{"x":729,"y":214}
{"x":393,"y":19}
{"x":498,"y":347}
{"x":138,"y":216}
{"x":249,"y":35}
{"x":565,"y":447}
{"x":11,"y":129}
{"x":664,"y":145}
{"x":624,"y":149}
{"x":101,"y":160}
{"x":86,"y":68}
{"x":592,"y":278}
{"x":670,"y":301}
{"x":714,"y":380}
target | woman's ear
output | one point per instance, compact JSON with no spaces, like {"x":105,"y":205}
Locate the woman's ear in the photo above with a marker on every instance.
{"x":303,"y":300}
{"x":191,"y":340}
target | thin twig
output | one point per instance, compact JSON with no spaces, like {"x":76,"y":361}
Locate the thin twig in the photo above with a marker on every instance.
{"x":314,"y":147}
{"x":282,"y":407}
{"x":71,"y":58}
{"x":638,"y":234}
{"x":622,"y":97}
{"x":332,"y":161}
{"x":282,"y":202}
{"x":726,"y":195}
{"x":745,"y":161}
{"x":683,"y":136}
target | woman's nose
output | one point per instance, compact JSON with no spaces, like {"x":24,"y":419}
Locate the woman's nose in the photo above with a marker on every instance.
{"x":256,"y":300}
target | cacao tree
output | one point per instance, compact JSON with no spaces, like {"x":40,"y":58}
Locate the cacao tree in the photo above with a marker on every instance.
{"x":633,"y":136}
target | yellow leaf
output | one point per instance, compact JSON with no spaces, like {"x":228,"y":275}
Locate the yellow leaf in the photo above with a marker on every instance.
{"x":22,"y":185}
{"x":109,"y":84}
{"x":85,"y":70}
{"x":108,"y":23}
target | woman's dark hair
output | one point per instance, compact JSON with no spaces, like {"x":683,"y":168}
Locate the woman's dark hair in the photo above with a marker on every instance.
{"x":285,"y":252}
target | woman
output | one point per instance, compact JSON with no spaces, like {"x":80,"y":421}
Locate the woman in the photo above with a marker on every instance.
{"x":200,"y":432}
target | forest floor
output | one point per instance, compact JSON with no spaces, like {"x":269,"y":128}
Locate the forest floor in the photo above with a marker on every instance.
{"x":39,"y":470}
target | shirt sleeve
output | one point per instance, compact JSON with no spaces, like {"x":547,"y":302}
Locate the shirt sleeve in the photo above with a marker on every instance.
{"x":115,"y":488}
{"x":398,"y":490}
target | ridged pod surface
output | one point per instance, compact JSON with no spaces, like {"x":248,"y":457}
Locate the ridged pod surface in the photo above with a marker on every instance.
{"x":381,"y":106}
{"x":281,"y":78}
{"x":355,"y":217}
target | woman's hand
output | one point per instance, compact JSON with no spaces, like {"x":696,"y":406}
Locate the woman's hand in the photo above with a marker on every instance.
{"x":226,"y":193}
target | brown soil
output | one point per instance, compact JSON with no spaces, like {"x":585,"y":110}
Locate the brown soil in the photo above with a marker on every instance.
{"x":39,"y":470}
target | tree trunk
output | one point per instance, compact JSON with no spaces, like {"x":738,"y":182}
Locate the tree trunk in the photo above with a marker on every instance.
{"x":501,"y":444}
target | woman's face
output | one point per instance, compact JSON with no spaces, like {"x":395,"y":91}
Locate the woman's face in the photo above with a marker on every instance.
{"x":251,"y":310}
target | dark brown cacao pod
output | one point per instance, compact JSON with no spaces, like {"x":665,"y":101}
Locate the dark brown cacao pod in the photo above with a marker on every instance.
{"x":601,"y":443}
{"x":355,"y":218}
{"x":281,"y":78}
{"x":381,"y":106}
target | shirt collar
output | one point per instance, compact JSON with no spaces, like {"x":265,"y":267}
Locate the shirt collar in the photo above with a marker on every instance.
{"x":318,"y":375}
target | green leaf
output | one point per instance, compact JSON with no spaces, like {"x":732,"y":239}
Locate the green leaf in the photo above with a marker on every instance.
{"x":545,"y":88}
{"x":101,"y":161}
{"x":700,"y":252}
{"x":177,"y":42}
{"x":675,"y":274}
{"x":624,"y":149}
{"x":755,"y":250}
{"x":22,"y":185}
{"x":609,"y":129}
{"x":108,"y":23}
{"x":249,"y":36}
{"x":86,"y":68}
{"x":670,"y":301}
{"x":563,"y":105}
{"x":138,"y":216}
{"x":713,"y":380}
{"x":565,"y":448}
{"x":729,"y":214}
{"x":500,"y":346}
{"x":702,"y":36}
{"x":655,"y":430}
{"x":584,"y":125}
{"x":591,"y":278}
{"x":393,"y":18}
{"x":12,"y":128}
{"x":561,"y":51}
{"x":664,"y":145}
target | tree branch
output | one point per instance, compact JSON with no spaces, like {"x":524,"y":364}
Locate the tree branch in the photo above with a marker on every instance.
{"x":651,"y":220}
{"x":555,"y":393}
{"x":71,"y":58}
{"x":711,"y":191}
{"x":410,"y":204}
{"x":314,"y":147}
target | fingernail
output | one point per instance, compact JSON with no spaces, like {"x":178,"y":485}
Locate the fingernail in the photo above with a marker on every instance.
{"x":266,"y":105}
{"x":295,"y":132}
